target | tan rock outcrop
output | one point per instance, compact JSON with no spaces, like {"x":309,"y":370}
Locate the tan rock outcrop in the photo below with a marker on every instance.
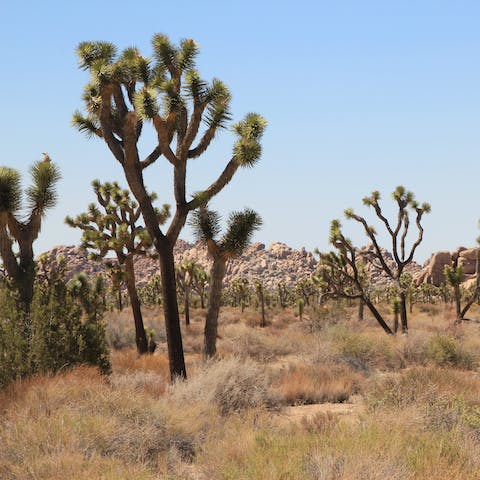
{"x":433,"y":270}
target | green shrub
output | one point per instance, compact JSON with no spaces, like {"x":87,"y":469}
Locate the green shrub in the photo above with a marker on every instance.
{"x":445,"y":350}
{"x":63,"y":328}
{"x":67,"y":327}
{"x":13,"y":345}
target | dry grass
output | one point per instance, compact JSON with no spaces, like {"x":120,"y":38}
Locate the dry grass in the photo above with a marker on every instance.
{"x":307,"y":384}
{"x":231,"y":385}
{"x":422,"y":420}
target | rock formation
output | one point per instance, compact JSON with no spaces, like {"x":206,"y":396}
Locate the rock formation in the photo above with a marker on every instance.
{"x":435,"y":265}
{"x":277,"y":263}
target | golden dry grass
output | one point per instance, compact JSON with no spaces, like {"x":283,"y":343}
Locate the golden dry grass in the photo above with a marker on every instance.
{"x":421,"y":421}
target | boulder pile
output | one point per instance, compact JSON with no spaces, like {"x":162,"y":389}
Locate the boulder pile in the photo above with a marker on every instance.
{"x":276,"y":264}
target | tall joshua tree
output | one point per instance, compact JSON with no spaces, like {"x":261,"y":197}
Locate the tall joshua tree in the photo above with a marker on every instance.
{"x":186,"y":112}
{"x":21,"y":233}
{"x":117,"y":230}
{"x":240,"y":228}
{"x":398,"y":232}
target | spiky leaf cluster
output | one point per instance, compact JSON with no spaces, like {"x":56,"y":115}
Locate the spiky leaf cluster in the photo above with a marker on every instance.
{"x":247,"y":150}
{"x":10,"y":190}
{"x":42,"y":193}
{"x":240,"y":228}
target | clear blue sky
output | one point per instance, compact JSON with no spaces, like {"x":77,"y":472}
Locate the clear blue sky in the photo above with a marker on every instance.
{"x":359,"y":95}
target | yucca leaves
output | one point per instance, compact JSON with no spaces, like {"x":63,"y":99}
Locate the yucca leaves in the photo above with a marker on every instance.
{"x":90,"y":52}
{"x":145,"y":102}
{"x":42,"y":194}
{"x":205,"y":224}
{"x":247,"y":150}
{"x":10,"y":190}
{"x":240,"y":229}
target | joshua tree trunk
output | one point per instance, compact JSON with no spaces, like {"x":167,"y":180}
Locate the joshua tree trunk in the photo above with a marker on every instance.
{"x":395,"y":322}
{"x":140,"y":336}
{"x":261,"y":296}
{"x":361,"y":308}
{"x":119,"y":299}
{"x":217,"y":273}
{"x":170,"y":310}
{"x":164,"y":248}
{"x":458,"y":296}
{"x":403,"y":312}
{"x":377,"y":316}
{"x":187,"y":305}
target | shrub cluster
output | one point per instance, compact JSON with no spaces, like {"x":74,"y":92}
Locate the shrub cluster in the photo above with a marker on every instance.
{"x":63,"y":328}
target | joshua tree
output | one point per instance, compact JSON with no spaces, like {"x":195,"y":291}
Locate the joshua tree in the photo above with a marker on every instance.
{"x":454,"y":276}
{"x":41,"y":196}
{"x":239,"y":292}
{"x":260,"y":291}
{"x":200,"y":281}
{"x":240,"y":228}
{"x":306,"y":289}
{"x":186,"y":273}
{"x":127,"y":90}
{"x":398,"y":232}
{"x":284,"y":295}
{"x":342,"y":274}
{"x":117,"y":230}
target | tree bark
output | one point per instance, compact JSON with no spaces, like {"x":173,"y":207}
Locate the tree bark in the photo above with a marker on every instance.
{"x":403,"y":312}
{"x":170,"y":310}
{"x":140,"y":336}
{"x":361,"y":308}
{"x":263,"y":322}
{"x":377,"y":316}
{"x":217,"y":273}
{"x":187,"y":305}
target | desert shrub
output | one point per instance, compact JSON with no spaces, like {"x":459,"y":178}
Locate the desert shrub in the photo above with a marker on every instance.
{"x":447,"y":412}
{"x":360,"y":351}
{"x":419,"y":385}
{"x":446,"y":350}
{"x":67,"y":328}
{"x":14,"y":362}
{"x":306,"y":384}
{"x":328,"y":314}
{"x":414,"y":347}
{"x":232,"y":385}
{"x":63,"y":328}
{"x":322,"y":465}
{"x":259,"y":344}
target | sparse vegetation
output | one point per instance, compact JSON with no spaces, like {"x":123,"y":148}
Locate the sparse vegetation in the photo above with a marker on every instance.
{"x":288,"y":376}
{"x":332,"y":403}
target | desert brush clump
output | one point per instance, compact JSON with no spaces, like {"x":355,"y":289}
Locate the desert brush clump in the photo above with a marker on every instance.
{"x":232,"y":385}
{"x":64,"y":324}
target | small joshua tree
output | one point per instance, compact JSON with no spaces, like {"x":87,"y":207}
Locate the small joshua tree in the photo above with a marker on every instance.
{"x":260,"y":291}
{"x":186,"y":273}
{"x":454,"y":276}
{"x":239,"y":292}
{"x":342,"y":274}
{"x":200,"y":282}
{"x":128,"y":90}
{"x":16,"y":233}
{"x":240,"y":228}
{"x":116,"y":230}
{"x":398,"y":232}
